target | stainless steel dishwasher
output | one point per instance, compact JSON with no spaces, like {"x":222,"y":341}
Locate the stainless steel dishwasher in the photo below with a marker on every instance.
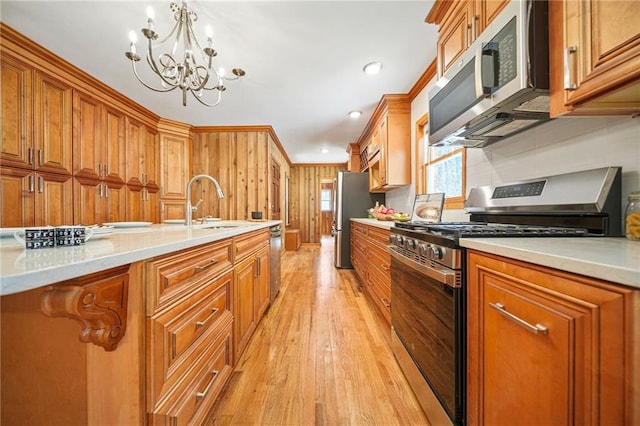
{"x":275,"y":241}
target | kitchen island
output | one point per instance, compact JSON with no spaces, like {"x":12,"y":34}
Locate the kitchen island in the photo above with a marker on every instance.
{"x":141,"y":327}
{"x":22,"y":270}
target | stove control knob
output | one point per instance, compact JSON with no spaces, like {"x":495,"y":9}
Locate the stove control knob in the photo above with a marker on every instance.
{"x":435,"y":252}
{"x":423,"y":249}
{"x":411,"y":244}
{"x":399,"y":240}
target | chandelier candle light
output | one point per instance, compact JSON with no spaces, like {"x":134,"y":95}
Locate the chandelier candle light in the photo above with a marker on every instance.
{"x":190,"y":74}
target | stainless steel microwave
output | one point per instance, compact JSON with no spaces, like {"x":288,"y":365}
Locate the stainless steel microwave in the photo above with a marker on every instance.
{"x":500,"y":85}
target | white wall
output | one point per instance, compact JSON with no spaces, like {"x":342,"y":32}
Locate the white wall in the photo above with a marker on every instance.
{"x":560,"y":146}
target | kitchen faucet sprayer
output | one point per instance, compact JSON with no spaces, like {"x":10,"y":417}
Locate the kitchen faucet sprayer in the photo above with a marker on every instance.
{"x":189,"y":208}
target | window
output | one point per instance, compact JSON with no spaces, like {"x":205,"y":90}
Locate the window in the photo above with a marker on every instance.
{"x":325,"y":200}
{"x":441,"y":169}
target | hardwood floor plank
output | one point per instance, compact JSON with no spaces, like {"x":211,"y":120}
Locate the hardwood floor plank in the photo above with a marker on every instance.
{"x":320,"y":356}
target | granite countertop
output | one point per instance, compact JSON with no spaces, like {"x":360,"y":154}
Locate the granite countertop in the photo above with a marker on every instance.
{"x":611,"y":259}
{"x":23,"y":270}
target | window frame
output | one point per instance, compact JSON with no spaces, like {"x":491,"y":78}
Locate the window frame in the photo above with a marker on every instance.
{"x":424,"y":160}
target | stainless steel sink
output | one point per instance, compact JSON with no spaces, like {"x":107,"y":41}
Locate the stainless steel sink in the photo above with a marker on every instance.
{"x":219,"y":226}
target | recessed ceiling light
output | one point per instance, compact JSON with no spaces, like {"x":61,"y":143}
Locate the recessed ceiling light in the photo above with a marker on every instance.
{"x":372,"y":68}
{"x":324,"y":150}
{"x":355,"y":114}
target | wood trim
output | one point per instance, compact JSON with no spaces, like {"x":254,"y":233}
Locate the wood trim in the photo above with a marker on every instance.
{"x":424,"y":79}
{"x":248,"y":128}
{"x":419,"y":181}
{"x":438,"y":11}
{"x":174,"y":127}
{"x":390,"y":102}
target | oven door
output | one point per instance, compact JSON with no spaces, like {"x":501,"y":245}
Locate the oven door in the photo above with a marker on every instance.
{"x":427,"y":316}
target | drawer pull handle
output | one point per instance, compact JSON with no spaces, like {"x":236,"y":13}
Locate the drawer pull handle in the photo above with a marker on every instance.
{"x":208,"y":265}
{"x":535,"y":329}
{"x":202,"y":323}
{"x":385,"y":302}
{"x":201,"y":395}
{"x":386,"y":267}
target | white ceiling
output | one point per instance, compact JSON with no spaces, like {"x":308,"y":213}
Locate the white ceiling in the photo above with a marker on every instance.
{"x":303,"y":59}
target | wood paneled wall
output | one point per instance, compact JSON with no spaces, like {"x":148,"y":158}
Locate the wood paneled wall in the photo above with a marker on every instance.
{"x":304,"y":204}
{"x":240,"y":161}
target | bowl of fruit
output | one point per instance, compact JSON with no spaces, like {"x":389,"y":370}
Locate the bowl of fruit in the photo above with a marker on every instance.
{"x":381,"y":212}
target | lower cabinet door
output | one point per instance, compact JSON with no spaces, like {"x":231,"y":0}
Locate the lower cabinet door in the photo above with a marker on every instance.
{"x":193,"y":398}
{"x":244,"y":296}
{"x":545,"y":347}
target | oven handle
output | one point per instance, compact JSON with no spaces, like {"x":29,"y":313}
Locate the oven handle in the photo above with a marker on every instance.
{"x":441,"y":274}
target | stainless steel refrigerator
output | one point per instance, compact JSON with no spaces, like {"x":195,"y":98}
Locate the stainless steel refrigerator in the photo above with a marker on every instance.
{"x":351,"y":200}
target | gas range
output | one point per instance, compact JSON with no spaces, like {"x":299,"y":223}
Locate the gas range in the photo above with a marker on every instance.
{"x":577,"y":204}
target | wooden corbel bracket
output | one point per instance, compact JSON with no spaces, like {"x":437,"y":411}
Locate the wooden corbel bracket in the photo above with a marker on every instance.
{"x":97,"y":301}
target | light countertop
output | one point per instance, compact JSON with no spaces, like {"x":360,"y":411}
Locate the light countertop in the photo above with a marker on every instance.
{"x":386,"y":224}
{"x":612,"y":259}
{"x":23,"y":270}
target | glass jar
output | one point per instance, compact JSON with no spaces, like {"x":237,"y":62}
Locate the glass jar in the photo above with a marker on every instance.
{"x":632,"y":217}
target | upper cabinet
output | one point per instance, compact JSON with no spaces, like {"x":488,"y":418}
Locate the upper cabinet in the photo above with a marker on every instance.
{"x":386,"y":143}
{"x":99,"y":161}
{"x":36,"y":159}
{"x":594,"y":57}
{"x":460,"y":24}
{"x":175,"y":163}
{"x":64,"y":146}
{"x":142,"y":172}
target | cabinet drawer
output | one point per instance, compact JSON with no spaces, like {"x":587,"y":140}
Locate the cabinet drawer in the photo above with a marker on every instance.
{"x":180,"y":273}
{"x":245,"y":244}
{"x":378,"y":236}
{"x":193,"y":397}
{"x":381,"y":296}
{"x":176,"y":334}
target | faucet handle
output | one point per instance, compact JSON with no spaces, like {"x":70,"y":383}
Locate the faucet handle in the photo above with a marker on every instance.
{"x":195,"y":208}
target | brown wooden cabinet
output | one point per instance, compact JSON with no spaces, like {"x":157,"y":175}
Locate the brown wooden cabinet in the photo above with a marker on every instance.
{"x":99,"y":160}
{"x":17,"y":113}
{"x":142,"y":173}
{"x":175,"y":163}
{"x":594,"y":57}
{"x":461,"y":22}
{"x":189,"y":332}
{"x":36,"y":147}
{"x":390,"y":132}
{"x":251,"y":285}
{"x":32,"y":198}
{"x":551,"y":347}
{"x":359,"y":250}
{"x":372,"y":263}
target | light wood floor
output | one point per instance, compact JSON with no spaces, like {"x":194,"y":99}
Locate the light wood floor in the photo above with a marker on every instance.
{"x":320,"y":356}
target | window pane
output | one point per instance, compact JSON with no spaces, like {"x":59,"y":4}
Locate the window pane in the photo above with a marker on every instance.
{"x":438,"y":151}
{"x":446,"y":176}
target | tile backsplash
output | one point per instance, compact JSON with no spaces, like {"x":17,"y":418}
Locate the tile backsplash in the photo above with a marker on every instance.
{"x":560,"y":146}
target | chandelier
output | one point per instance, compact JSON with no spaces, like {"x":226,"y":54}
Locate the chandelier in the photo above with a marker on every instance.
{"x":187,"y":66}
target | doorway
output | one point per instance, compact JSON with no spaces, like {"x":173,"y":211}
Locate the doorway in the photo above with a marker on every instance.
{"x":326,"y":206}
{"x":275,"y":190}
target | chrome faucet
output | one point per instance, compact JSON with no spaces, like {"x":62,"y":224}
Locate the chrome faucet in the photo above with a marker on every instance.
{"x":189,"y":208}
